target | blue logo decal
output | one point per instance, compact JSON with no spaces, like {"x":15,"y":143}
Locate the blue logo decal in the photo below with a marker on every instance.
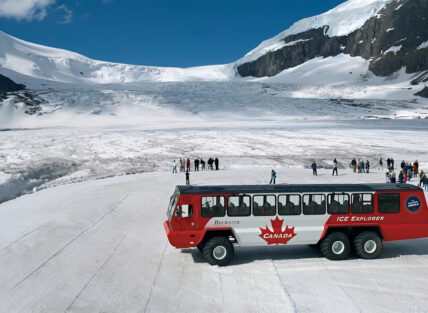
{"x":413,"y":204}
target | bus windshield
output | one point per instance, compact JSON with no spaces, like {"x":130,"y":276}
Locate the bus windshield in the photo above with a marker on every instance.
{"x":172,"y":204}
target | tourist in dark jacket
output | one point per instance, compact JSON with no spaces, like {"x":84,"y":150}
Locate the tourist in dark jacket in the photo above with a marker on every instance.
{"x":314,"y":168}
{"x":334,"y":167}
{"x":401,"y":177}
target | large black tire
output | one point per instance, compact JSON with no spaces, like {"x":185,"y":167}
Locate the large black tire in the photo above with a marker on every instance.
{"x":368,"y":245}
{"x":218,"y":251}
{"x":336,"y":246}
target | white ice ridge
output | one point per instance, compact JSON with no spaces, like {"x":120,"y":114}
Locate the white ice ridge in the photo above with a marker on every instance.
{"x":341,"y":20}
{"x":52,"y":64}
{"x":423,"y":45}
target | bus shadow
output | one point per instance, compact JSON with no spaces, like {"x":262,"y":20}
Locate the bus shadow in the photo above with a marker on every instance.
{"x":405,"y":248}
{"x":245,"y":255}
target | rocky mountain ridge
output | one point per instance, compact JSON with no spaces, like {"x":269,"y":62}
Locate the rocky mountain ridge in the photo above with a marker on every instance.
{"x":396,"y":37}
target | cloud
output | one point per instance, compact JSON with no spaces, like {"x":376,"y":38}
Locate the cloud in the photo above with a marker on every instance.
{"x":68,"y":14}
{"x":24,"y":9}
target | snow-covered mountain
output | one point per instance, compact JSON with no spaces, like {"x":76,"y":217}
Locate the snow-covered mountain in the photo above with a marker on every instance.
{"x":362,"y":36}
{"x":371,"y":49}
{"x":25,"y":61}
{"x":390,"y":35}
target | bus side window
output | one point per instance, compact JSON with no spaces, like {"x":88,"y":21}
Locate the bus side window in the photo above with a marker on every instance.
{"x":314,"y":204}
{"x":264,"y":205}
{"x":338,"y":203}
{"x":184,"y":210}
{"x":388,"y":203}
{"x":362,"y":203}
{"x":289,"y":205}
{"x":239,"y":206}
{"x":212,"y":206}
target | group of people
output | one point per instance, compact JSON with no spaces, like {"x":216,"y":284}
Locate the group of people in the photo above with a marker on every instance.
{"x":185,"y":166}
{"x":407,"y":172}
{"x":360,"y":166}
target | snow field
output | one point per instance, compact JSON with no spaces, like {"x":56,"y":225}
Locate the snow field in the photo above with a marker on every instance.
{"x":100,"y":246}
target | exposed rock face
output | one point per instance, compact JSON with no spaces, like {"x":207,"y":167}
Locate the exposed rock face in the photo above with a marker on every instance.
{"x":423,"y":93}
{"x":390,"y":40}
{"x":7,"y":84}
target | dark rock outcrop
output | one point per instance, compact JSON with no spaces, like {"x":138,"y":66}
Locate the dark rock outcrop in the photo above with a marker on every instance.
{"x":7,"y":84}
{"x":423,"y":93}
{"x":400,"y":24}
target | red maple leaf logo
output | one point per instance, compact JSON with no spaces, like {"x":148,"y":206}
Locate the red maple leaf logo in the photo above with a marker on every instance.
{"x":277,"y":236}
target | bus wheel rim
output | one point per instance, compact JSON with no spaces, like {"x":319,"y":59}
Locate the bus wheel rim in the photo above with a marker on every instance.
{"x":219,"y":252}
{"x":338,"y":247}
{"x":370,"y":246}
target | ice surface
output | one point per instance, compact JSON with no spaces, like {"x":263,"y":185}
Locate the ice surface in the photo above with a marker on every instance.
{"x":100,"y":246}
{"x":39,"y":158}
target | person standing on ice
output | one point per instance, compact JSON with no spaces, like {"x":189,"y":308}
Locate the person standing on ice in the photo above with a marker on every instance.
{"x":421,"y":178}
{"x":188,"y":165}
{"x":363,"y":167}
{"x":425,"y":182}
{"x":381,"y":164}
{"x":202,"y":164}
{"x":367,"y":166}
{"x":334,"y":167}
{"x":216,"y":163}
{"x":182,"y":165}
{"x":196,"y":165}
{"x":174,"y":168}
{"x":272,"y":177}
{"x":354,"y":165}
{"x":401,"y":177}
{"x":409,"y":172}
{"x":187,"y":178}
{"x":393,"y":177}
{"x":314,"y":168}
{"x":416,"y":168}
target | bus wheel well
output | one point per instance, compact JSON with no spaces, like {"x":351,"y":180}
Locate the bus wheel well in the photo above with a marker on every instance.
{"x":217,"y":233}
{"x":353,"y":231}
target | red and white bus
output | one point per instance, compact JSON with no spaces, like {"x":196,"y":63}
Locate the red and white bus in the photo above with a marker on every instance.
{"x":335,"y":217}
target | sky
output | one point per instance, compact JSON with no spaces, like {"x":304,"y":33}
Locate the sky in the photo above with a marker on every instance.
{"x":180,"y":33}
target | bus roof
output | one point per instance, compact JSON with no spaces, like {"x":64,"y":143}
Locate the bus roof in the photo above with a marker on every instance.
{"x":240,"y":189}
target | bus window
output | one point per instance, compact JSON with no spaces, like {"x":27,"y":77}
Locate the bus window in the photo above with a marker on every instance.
{"x":212,"y":206}
{"x":239,"y":206}
{"x":289,"y":205}
{"x":314,"y":204}
{"x":388,"y":203}
{"x":362,"y":203}
{"x":264,"y":205}
{"x":184,"y":210}
{"x":338,"y":203}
